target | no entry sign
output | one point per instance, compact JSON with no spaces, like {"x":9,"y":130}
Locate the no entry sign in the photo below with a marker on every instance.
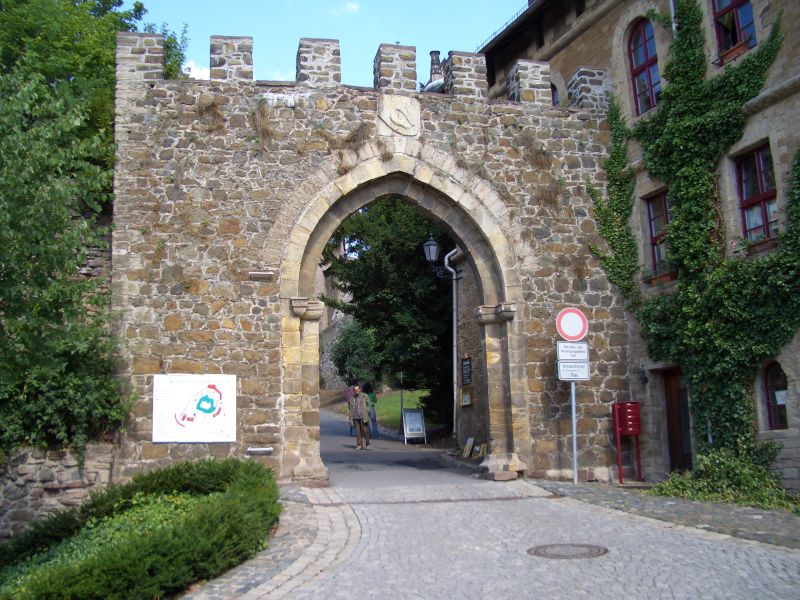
{"x":571,"y":324}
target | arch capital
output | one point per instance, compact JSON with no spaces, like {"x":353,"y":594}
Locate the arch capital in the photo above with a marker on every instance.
{"x":488,"y":314}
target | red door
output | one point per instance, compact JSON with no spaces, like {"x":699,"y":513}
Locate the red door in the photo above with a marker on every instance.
{"x":679,"y":435}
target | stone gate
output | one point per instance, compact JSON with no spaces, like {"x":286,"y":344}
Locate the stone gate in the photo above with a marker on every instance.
{"x":227,"y":190}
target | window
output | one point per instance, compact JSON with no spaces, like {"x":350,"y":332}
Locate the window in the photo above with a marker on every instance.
{"x":734,"y":22}
{"x":644,"y":66}
{"x":554,"y":95}
{"x":775,"y":393}
{"x":658,"y":217}
{"x":756,"y":182}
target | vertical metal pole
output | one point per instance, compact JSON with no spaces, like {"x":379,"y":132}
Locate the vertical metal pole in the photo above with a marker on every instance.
{"x":574,"y":436}
{"x":455,"y":336}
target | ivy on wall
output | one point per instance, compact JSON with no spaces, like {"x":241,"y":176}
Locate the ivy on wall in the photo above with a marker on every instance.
{"x":725,"y":316}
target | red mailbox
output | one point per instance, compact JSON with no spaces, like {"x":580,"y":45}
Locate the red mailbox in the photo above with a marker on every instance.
{"x":627,"y":421}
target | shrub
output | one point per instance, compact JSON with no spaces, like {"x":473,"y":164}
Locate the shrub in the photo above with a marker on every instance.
{"x":151,"y":537}
{"x":720,"y":475}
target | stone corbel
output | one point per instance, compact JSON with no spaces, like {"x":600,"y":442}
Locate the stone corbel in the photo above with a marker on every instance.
{"x":308,"y":310}
{"x":487,"y":314}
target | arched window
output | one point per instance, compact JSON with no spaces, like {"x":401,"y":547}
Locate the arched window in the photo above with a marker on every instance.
{"x":644,"y":66}
{"x":775,"y":394}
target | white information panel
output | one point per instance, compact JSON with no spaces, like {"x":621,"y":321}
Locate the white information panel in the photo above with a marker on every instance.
{"x":573,"y":370}
{"x":414,"y":424}
{"x":572,"y":350}
{"x":194,"y":408}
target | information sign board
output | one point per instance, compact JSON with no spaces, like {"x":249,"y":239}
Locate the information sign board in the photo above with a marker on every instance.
{"x":466,"y":371}
{"x":572,"y":350}
{"x":414,"y":424}
{"x":573,"y":370}
{"x":191,"y":408}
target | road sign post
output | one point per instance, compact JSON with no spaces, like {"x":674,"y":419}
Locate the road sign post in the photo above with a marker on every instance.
{"x":573,"y":364}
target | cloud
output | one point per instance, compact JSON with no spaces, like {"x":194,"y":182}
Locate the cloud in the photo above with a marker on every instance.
{"x":277,"y":75}
{"x":196,"y":71}
{"x":348,"y":8}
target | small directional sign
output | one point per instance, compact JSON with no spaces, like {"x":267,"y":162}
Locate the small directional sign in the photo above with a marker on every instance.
{"x":573,"y":370}
{"x":573,"y":350}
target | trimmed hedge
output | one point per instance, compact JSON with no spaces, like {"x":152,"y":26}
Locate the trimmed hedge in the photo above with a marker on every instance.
{"x":242,"y":505}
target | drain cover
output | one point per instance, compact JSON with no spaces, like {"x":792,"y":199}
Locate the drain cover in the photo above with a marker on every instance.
{"x":567,"y":551}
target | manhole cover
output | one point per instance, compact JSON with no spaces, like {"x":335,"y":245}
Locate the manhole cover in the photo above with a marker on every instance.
{"x":567,"y":551}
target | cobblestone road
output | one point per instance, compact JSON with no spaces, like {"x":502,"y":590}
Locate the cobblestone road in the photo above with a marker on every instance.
{"x":448,"y":536}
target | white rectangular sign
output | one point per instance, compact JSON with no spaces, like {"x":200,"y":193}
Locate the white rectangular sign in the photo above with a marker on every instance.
{"x":194,"y":408}
{"x":573,"y":370}
{"x":573,"y":350}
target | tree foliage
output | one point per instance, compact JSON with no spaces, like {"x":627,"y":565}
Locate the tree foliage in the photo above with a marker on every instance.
{"x":57,"y":79}
{"x":353,"y":353}
{"x":394,"y":295}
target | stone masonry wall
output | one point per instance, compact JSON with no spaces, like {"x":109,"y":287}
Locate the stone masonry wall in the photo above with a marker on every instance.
{"x":36,"y":483}
{"x":212,"y":177}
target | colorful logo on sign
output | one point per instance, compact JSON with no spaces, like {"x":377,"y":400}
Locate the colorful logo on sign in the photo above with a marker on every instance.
{"x":202,"y":408}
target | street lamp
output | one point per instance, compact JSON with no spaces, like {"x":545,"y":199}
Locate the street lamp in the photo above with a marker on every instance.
{"x":431,"y":248}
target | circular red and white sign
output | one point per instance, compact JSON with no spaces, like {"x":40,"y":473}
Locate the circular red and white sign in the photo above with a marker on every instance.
{"x":572,"y":324}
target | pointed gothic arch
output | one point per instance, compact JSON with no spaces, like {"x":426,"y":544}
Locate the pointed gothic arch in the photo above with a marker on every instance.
{"x":478,"y":220}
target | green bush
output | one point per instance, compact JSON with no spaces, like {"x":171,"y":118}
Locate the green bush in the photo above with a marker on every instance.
{"x":152,"y":537}
{"x":720,"y":475}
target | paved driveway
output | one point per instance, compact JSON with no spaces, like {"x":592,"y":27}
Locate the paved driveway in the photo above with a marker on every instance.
{"x":397,"y":523}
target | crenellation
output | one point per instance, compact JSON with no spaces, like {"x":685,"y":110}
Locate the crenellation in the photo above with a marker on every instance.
{"x":140,"y":56}
{"x":231,"y":58}
{"x":319,"y":63}
{"x":529,"y":81}
{"x":590,"y":89}
{"x":465,"y":74}
{"x":395,"y":68}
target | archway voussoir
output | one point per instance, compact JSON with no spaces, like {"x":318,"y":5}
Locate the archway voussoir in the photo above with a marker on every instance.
{"x":422,"y":172}
{"x":346,"y":183}
{"x":402,"y":163}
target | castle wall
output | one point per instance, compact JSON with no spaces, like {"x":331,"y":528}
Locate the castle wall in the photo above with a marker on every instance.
{"x":214,"y":176}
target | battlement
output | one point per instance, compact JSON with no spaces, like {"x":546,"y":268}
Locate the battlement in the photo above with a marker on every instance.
{"x":140,"y":57}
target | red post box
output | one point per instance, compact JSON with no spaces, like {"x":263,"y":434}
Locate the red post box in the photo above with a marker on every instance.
{"x":627,"y":421}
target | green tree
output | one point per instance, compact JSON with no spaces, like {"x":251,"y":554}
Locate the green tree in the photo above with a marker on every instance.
{"x":57,"y":80}
{"x":394,"y":294}
{"x":56,"y":354}
{"x":353,"y":353}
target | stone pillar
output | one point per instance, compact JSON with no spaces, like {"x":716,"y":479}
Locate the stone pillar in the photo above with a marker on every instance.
{"x":231,"y":58}
{"x":590,"y":89}
{"x":140,"y":56}
{"x":319,"y":62}
{"x":465,"y":74}
{"x":302,"y":450}
{"x":395,"y":68}
{"x":529,"y":81}
{"x":502,"y":462}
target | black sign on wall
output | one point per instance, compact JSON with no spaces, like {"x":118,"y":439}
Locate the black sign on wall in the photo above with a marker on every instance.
{"x":466,"y":371}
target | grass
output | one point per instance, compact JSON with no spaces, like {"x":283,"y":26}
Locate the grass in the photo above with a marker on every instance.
{"x":388,"y":407}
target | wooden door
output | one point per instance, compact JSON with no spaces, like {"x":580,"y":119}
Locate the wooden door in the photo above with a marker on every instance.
{"x":679,"y":435}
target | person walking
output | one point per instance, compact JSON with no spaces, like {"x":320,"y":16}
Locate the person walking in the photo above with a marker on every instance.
{"x":359,"y":417}
{"x":369,"y":390}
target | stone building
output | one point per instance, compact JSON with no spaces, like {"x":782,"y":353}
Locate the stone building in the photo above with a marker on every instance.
{"x":618,"y":37}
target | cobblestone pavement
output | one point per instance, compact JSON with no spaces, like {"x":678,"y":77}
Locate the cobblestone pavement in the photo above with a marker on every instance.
{"x":398,"y":523}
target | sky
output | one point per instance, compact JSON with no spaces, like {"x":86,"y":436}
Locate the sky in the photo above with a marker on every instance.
{"x":360,"y":26}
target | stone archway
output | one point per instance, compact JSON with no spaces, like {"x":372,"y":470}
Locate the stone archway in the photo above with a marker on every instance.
{"x":475,"y":217}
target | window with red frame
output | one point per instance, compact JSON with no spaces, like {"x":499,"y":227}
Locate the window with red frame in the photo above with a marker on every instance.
{"x":756,"y":182}
{"x":734,"y":23}
{"x":658,"y":216}
{"x":775,"y":387}
{"x":644,"y":66}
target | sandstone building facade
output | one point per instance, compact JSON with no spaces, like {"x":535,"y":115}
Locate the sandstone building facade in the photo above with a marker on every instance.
{"x":620,"y":38}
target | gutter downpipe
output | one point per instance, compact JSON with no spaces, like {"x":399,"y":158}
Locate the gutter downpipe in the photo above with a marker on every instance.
{"x":452,"y":271}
